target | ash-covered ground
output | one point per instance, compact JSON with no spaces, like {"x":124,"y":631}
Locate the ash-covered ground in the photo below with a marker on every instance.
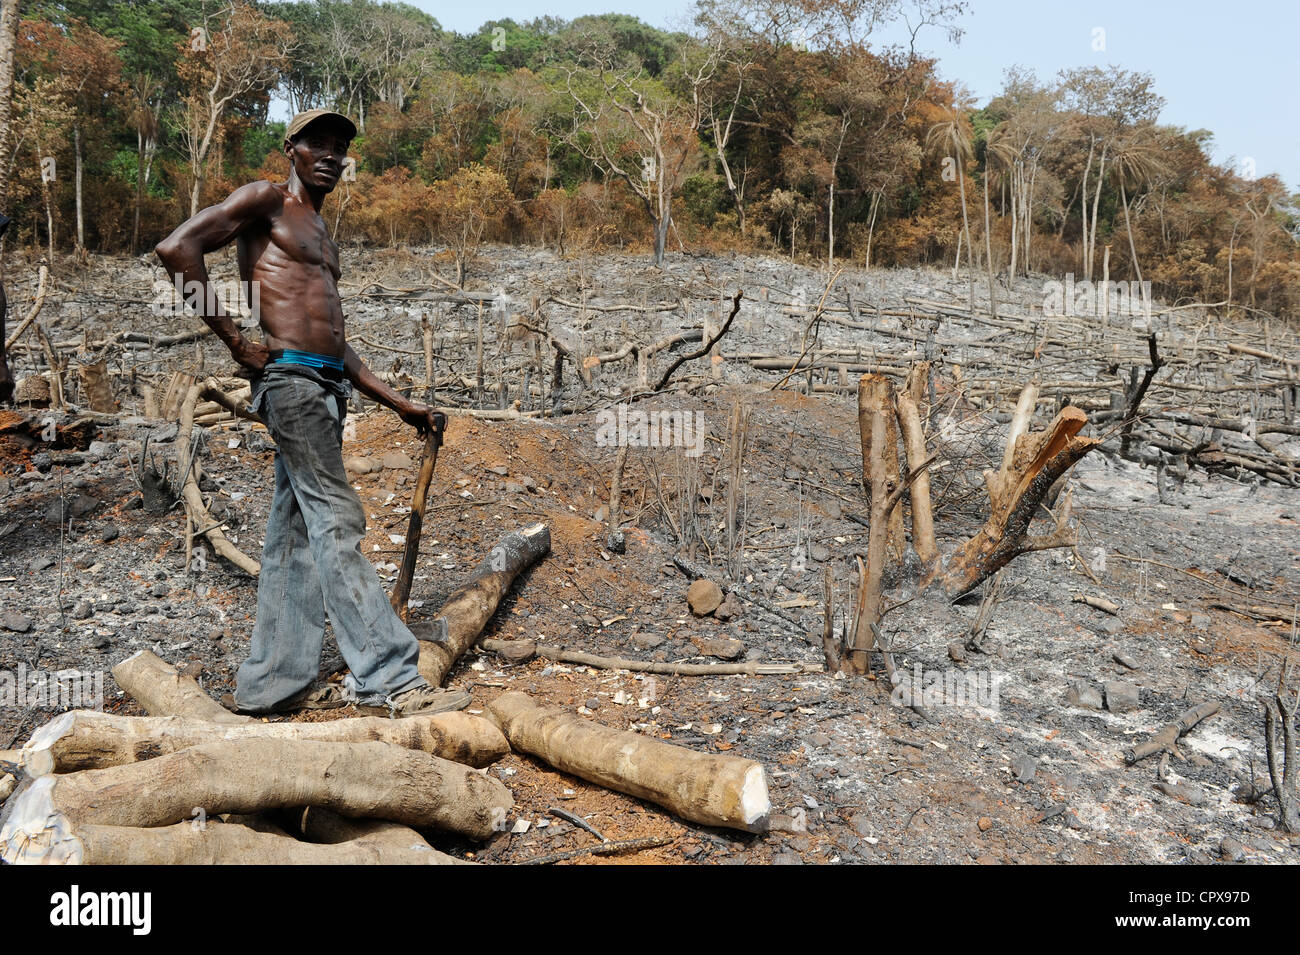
{"x":1030,"y":770}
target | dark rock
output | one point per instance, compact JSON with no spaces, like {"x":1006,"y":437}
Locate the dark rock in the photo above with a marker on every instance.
{"x":1085,"y":695}
{"x":1024,"y":766}
{"x":1122,"y":697}
{"x":646,"y":641}
{"x":722,"y":649}
{"x":15,"y":622}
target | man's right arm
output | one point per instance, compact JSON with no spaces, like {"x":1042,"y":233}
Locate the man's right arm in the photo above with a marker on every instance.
{"x":182,"y":255}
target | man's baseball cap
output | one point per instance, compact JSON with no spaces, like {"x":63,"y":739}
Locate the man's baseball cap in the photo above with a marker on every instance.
{"x":305,"y":119}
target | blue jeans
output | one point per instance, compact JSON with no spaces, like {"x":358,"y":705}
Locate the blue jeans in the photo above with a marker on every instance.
{"x":312,"y":563}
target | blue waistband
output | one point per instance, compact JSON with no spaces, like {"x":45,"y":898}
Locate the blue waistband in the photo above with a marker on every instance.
{"x":293,"y":356}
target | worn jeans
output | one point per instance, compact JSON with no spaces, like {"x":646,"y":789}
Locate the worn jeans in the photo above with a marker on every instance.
{"x":312,"y":563}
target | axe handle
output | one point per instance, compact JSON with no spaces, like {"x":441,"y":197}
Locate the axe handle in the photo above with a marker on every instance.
{"x":402,"y":588}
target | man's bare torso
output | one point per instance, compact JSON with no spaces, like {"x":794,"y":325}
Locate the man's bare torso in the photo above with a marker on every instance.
{"x":295,"y":265}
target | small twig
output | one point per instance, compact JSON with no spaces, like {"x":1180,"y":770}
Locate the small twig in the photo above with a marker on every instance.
{"x":601,"y":849}
{"x":578,"y":821}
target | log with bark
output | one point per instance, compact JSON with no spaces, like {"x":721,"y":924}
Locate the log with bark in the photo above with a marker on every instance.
{"x":468,"y":610}
{"x":43,"y":820}
{"x":162,"y":691}
{"x":216,"y":843}
{"x":712,"y":790}
{"x":85,"y":739}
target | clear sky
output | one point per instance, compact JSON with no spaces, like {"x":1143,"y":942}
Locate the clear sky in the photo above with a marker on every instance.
{"x":1227,"y":67}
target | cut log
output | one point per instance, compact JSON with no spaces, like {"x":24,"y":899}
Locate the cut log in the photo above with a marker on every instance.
{"x":85,"y":739}
{"x":468,"y":610}
{"x":162,"y":691}
{"x":227,"y":844}
{"x":42,"y":821}
{"x":711,"y":790}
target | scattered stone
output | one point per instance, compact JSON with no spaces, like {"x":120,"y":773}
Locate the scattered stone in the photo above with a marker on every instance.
{"x":397,"y":461}
{"x":1121,"y":697}
{"x":1231,"y":850}
{"x":722,"y":649}
{"x":518,"y":651}
{"x":984,"y":824}
{"x":704,"y":597}
{"x":359,"y":465}
{"x":780,"y":822}
{"x":1085,"y":695}
{"x":1024,"y":766}
{"x":1186,"y":792}
{"x":646,"y":641}
{"x":1107,"y":626}
{"x":15,"y":622}
{"x":730,"y":607}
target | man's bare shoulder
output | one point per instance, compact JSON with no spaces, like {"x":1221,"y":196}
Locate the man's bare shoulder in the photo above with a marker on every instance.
{"x":256,"y":199}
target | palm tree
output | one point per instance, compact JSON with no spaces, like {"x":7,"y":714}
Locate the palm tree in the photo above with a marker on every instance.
{"x":953,"y":139}
{"x":1135,"y":162}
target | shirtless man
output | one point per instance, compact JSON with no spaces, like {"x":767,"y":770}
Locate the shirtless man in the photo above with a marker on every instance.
{"x":303,"y":373}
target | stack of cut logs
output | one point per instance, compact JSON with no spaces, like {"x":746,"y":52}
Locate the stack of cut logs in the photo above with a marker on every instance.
{"x":196,"y":784}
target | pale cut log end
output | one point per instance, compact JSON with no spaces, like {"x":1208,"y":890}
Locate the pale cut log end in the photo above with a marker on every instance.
{"x":755,"y":804}
{"x":37,"y":760}
{"x":34,"y":832}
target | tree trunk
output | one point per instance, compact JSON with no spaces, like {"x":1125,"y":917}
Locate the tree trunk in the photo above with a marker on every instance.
{"x":711,"y":790}
{"x":219,"y":843}
{"x":468,"y":610}
{"x":247,"y":776}
{"x":84,"y":739}
{"x":8,"y":42}
{"x":81,"y":213}
{"x":162,"y":691}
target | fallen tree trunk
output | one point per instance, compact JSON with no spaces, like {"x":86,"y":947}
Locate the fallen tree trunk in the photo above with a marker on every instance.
{"x":711,"y":790}
{"x":228,"y":844}
{"x":85,"y":739}
{"x":470,"y":607}
{"x":162,"y":691}
{"x":43,"y":820}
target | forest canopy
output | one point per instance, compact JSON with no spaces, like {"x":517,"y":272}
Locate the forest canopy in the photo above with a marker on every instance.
{"x":774,"y":126}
